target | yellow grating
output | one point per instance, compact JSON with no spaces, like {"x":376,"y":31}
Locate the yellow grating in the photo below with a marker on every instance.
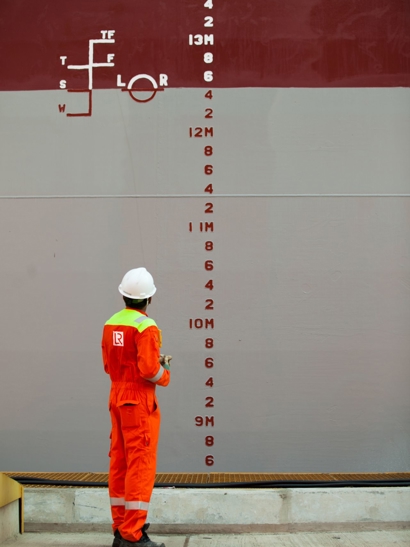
{"x":324,"y":477}
{"x":213,"y":478}
{"x":369,"y":476}
{"x":263,"y":477}
{"x":181,"y":478}
{"x":78,"y":477}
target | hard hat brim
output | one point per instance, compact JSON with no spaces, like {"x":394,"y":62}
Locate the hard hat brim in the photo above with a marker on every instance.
{"x":136,"y":297}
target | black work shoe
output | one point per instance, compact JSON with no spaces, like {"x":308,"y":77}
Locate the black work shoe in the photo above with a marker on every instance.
{"x":145,"y":541}
{"x":118,"y":537}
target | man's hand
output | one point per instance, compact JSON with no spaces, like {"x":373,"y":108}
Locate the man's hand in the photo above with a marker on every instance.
{"x":164,"y":360}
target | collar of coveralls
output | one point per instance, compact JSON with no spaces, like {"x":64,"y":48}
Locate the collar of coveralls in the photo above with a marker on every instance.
{"x":133,"y":309}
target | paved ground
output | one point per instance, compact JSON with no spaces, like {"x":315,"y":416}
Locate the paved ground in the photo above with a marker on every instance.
{"x":400,"y":538}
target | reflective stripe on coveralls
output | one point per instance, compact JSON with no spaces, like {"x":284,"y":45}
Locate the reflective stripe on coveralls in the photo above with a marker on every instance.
{"x":158,"y":375}
{"x":117,"y":502}
{"x":135,"y":505}
{"x":134,"y":414}
{"x":131,"y":505}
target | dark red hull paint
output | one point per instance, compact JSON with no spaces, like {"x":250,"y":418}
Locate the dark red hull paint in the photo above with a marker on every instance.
{"x":258,"y":43}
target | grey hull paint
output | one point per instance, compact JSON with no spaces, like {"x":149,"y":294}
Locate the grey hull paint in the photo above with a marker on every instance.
{"x":311,"y":297}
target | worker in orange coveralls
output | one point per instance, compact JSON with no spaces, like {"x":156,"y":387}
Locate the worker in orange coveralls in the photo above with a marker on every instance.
{"x":131,"y":356}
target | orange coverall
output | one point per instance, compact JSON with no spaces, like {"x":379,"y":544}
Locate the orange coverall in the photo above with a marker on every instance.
{"x":130,"y":348}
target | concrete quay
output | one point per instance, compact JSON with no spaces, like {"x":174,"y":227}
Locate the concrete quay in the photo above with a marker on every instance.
{"x":222,"y":510}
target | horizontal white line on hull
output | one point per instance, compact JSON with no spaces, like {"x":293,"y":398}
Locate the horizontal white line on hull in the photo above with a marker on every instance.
{"x":211,"y":196}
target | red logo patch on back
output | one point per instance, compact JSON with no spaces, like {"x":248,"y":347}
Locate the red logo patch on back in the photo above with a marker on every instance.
{"x":118,"y":338}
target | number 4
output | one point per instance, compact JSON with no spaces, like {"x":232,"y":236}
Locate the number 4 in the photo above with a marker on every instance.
{"x":208,"y":4}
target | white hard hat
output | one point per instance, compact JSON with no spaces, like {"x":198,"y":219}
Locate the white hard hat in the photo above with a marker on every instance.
{"x":137,"y":284}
